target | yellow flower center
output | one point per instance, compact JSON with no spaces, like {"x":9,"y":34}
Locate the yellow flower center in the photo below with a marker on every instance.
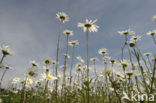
{"x":28,"y":81}
{"x":16,"y":79}
{"x":48,"y":77}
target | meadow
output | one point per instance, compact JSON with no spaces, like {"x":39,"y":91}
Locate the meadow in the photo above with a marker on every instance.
{"x":129,"y":79}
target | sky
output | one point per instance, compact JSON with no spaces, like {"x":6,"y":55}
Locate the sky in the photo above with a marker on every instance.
{"x":30,"y":28}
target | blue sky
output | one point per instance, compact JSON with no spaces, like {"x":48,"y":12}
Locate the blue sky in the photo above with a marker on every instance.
{"x":30,"y":27}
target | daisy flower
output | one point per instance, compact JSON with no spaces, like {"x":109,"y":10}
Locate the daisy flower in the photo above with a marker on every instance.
{"x":108,"y":71}
{"x":66,"y":55}
{"x":15,"y":80}
{"x":124,"y":63}
{"x":119,"y":74}
{"x":68,"y":32}
{"x":73,"y":43}
{"x":47,"y":70}
{"x":102,"y":51}
{"x":129,"y":73}
{"x":29,"y":81}
{"x":147,"y":54}
{"x":48,"y":76}
{"x":135,"y":38}
{"x":47,"y":61}
{"x":5,"y":66}
{"x":154,"y":18}
{"x":53,"y":62}
{"x":63,"y":17}
{"x":59,"y":76}
{"x":152,"y":33}
{"x":94,"y":59}
{"x":106,"y":58}
{"x":126,"y":32}
{"x":112,"y":61}
{"x":78,"y":65}
{"x":78,"y":69}
{"x":80,"y":59}
{"x":6,"y":50}
{"x":89,"y":25}
{"x":34,"y":64}
{"x":31,"y":72}
{"x":132,"y":43}
{"x":101,"y":74}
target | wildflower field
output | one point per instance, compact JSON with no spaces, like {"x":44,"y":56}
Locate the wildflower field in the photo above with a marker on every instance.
{"x":130,"y":78}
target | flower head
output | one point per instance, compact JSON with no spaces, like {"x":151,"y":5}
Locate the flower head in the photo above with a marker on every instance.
{"x":108,"y":71}
{"x":80,"y":59}
{"x":62,"y":17}
{"x":78,"y":65}
{"x":89,"y":25}
{"x":29,"y":81}
{"x":66,"y":55}
{"x":6,"y":50}
{"x":15,"y":80}
{"x":152,"y":33}
{"x":48,"y":76}
{"x":132,"y":43}
{"x":126,"y":32}
{"x":47,"y":61}
{"x":53,"y":62}
{"x":154,"y":57}
{"x":129,"y":73}
{"x":119,"y":74}
{"x":106,"y":58}
{"x":147,"y":54}
{"x":102,"y":51}
{"x":47,"y":69}
{"x":5,"y":66}
{"x":94,"y":59}
{"x":34,"y":64}
{"x":112,"y":61}
{"x":68,"y":32}
{"x":124,"y":63}
{"x":73,"y":43}
{"x":154,"y":18}
{"x":78,"y":69}
{"x":31,"y":72}
{"x":135,"y":38}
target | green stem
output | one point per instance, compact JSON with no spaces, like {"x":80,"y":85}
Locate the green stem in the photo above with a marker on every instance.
{"x":87,"y":67}
{"x":115,"y":89}
{"x":95,"y":70}
{"x":57,"y":55}
{"x":153,"y":76}
{"x":149,"y":62}
{"x":2,"y":59}
{"x":154,"y":39}
{"x":142,"y":58}
{"x":2,"y":77}
{"x":71,"y":68}
{"x":141,"y":68}
{"x":65,"y":61}
{"x":122,"y":49}
{"x":133,"y":68}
